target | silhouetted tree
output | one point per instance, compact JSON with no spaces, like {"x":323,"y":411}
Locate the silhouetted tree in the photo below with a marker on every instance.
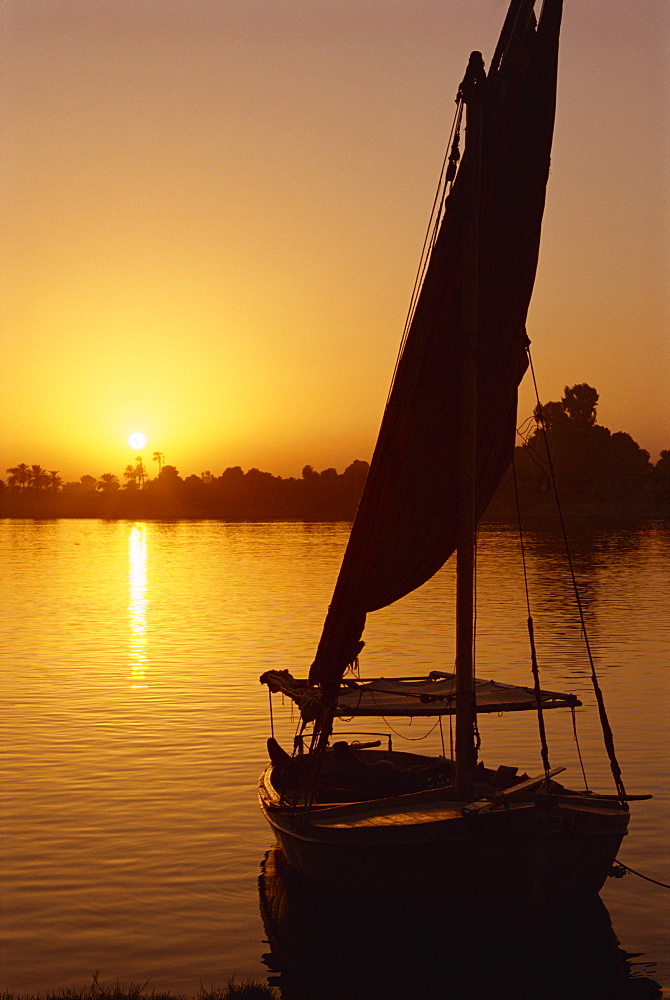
{"x":662,"y":477}
{"x":663,"y":464}
{"x":357,"y":471}
{"x":160,"y":458}
{"x":626,"y":455}
{"x":39,"y":477}
{"x":551,"y":414}
{"x":168,"y":480}
{"x":55,"y":481}
{"x":165,"y":493}
{"x":140,"y":472}
{"x":135,"y":475}
{"x":169,"y":473}
{"x":19,"y":475}
{"x":233,"y":475}
{"x":580,"y":402}
{"x":88,"y":484}
{"x":130,"y":476}
{"x":587,"y":458}
{"x":194,"y":482}
{"x":108,"y":483}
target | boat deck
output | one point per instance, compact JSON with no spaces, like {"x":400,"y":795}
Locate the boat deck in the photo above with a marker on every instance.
{"x":394,"y":814}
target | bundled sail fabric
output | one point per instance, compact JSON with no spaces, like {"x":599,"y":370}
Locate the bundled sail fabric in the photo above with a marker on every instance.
{"x":414,"y":696}
{"x":405,"y":528}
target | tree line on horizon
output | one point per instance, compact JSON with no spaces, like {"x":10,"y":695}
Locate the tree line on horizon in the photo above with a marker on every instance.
{"x":564,"y":441}
{"x":589,"y":461}
{"x":235,"y":494}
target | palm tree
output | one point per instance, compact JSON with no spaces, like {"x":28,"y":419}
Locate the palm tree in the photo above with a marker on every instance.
{"x":19,"y":475}
{"x":140,"y":472}
{"x":38,"y":477}
{"x":108,"y":482}
{"x":55,"y":481}
{"x":130,"y":475}
{"x":160,"y":458}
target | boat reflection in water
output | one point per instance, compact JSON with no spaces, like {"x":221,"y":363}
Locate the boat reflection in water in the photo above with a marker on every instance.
{"x":333,"y":950}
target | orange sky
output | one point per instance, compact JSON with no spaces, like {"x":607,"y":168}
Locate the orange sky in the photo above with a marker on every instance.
{"x":212,"y":213}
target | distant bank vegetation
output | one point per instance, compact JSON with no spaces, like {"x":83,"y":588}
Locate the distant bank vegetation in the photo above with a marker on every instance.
{"x":235,"y":495}
{"x":591,"y":464}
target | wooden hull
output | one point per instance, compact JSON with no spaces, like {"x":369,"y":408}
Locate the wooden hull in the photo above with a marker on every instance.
{"x":544,"y":849}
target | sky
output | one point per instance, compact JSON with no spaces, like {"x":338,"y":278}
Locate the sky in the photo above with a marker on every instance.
{"x":213,"y":210}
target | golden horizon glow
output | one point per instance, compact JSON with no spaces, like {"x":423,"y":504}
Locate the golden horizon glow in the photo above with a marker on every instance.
{"x":225,"y":256}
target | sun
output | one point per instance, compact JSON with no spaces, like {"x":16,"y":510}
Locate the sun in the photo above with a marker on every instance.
{"x":137,"y":441}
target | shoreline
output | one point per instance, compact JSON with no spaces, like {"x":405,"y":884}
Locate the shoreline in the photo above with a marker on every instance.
{"x":247,"y":989}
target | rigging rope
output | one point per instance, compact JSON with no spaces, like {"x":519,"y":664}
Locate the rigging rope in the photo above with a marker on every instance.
{"x":444,"y":184}
{"x":602,"y":712}
{"x":475,"y":722}
{"x":619,"y":873}
{"x":272,"y":721}
{"x":544,"y":749}
{"x":412,"y":739}
{"x":579,"y":752}
{"x":402,"y":736}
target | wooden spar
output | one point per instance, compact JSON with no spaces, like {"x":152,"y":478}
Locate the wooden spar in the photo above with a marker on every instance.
{"x":516,"y":22}
{"x":472,"y":89}
{"x":466,"y":709}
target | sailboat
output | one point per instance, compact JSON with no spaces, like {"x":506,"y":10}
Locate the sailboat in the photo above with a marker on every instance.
{"x":364,"y":819}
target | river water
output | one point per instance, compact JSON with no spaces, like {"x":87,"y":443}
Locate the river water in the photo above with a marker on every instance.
{"x":134,"y":726}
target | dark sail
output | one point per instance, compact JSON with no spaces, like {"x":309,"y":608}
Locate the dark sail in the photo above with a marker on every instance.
{"x":405,"y":527}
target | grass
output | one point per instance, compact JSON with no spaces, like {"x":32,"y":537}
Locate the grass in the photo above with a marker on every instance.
{"x":250,"y":989}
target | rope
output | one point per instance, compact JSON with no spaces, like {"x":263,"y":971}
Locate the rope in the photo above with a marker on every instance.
{"x":272,"y":721}
{"x":579,"y":752}
{"x":535,"y":670}
{"x":624,"y":869}
{"x":602,"y":712}
{"x":412,"y":739}
{"x":444,"y":184}
{"x":401,"y":694}
{"x":475,"y":723}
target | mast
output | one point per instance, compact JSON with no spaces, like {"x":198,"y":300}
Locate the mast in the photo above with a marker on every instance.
{"x":417,"y":505}
{"x":466,"y":709}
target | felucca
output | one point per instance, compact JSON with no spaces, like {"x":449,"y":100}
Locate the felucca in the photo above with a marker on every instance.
{"x":359,"y":818}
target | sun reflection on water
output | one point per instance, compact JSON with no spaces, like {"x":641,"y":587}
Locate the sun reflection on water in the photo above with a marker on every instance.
{"x":137,"y":604}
